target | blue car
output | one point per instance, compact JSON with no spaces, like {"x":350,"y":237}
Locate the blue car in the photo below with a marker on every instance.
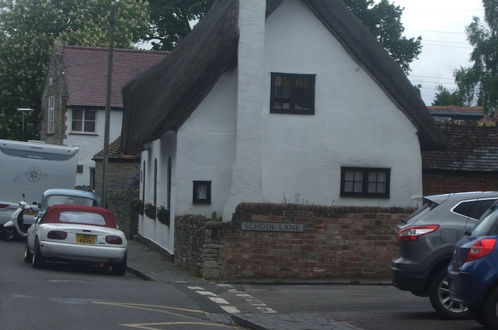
{"x":473,"y":272}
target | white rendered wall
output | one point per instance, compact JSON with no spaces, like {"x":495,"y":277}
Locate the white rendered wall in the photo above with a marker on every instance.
{"x":206,"y":149}
{"x":355,"y":123}
{"x":90,"y":144}
{"x":152,"y":229}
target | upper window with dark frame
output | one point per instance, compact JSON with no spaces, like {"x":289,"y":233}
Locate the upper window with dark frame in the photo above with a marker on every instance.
{"x":202,"y":192}
{"x":292,"y":93}
{"x":365,"y":182}
{"x":83,"y":121}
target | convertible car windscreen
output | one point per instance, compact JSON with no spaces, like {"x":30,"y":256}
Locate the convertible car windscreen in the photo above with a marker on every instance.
{"x":61,"y":199}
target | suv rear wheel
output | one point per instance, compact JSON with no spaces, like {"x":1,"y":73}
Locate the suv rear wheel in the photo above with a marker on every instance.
{"x":440,"y":297}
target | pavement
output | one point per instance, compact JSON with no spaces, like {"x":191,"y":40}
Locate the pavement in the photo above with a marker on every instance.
{"x":151,"y":265}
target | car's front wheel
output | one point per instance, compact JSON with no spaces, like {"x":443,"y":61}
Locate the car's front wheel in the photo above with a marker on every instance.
{"x":9,"y":233}
{"x":440,"y":298}
{"x":28,"y":256}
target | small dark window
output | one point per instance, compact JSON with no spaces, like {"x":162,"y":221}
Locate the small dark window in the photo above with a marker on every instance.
{"x":365,"y":182}
{"x":79,"y":168}
{"x":292,"y":93}
{"x":202,"y":192}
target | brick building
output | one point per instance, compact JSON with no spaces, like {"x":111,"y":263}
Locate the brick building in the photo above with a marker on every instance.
{"x":469,"y":163}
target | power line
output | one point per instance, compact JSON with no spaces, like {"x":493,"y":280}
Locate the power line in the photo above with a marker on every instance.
{"x":433,"y":77}
{"x":446,"y":46}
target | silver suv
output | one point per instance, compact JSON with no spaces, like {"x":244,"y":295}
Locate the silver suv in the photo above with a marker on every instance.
{"x":426,"y":243}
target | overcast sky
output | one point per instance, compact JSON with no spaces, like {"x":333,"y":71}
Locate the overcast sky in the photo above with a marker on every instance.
{"x":441,"y":23}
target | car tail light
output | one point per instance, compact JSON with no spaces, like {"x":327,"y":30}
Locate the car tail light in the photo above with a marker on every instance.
{"x":412,"y":233}
{"x":4,"y":206}
{"x":481,"y":248}
{"x":57,"y":234}
{"x":113,"y":240}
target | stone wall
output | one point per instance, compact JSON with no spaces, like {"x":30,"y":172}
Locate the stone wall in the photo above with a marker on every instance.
{"x":121,"y":190}
{"x":338,"y":243}
{"x":198,"y":245}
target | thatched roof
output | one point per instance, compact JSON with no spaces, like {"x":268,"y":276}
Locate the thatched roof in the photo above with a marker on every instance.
{"x":163,"y":97}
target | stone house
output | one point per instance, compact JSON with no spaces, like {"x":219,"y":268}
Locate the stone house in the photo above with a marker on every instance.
{"x":275,"y":101}
{"x":74,"y":99}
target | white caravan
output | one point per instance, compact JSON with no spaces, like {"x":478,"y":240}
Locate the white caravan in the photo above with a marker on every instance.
{"x":30,"y":168}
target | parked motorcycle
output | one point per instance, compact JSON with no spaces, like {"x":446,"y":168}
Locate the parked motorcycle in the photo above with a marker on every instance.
{"x":22,"y":218}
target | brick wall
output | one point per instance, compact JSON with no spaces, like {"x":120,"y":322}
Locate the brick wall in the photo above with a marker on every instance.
{"x":339,"y":243}
{"x":453,"y":181}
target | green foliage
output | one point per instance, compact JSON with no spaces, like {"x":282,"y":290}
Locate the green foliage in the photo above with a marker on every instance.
{"x":28,"y":29}
{"x":383,"y":19}
{"x":446,"y":97}
{"x":479,"y":83}
{"x":170,"y":20}
{"x":216,"y":217}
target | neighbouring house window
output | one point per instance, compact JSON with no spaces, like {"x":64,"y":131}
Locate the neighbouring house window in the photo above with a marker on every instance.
{"x":50,"y":114}
{"x":292,"y":93}
{"x":202,"y":192}
{"x":83,"y":121}
{"x":79,"y":168}
{"x":365,"y":182}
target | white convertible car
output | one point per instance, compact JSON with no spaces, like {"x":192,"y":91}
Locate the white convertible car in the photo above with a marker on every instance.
{"x":77,"y":233}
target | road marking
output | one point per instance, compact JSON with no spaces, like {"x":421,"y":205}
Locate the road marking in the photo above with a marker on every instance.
{"x":206,"y":293}
{"x":230,"y":309}
{"x":195,"y":288}
{"x":154,"y":308}
{"x":148,"y":326}
{"x":219,"y":300}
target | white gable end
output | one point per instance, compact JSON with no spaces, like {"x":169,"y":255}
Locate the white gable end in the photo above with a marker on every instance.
{"x":355,"y":123}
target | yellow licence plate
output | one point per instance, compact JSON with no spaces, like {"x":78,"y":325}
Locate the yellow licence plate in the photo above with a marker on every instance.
{"x":86,"y":239}
{"x":32,"y":213}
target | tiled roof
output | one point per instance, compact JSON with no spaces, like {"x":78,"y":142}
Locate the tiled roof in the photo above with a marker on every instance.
{"x":470,"y":148}
{"x":86,"y":73}
{"x":115,"y":152}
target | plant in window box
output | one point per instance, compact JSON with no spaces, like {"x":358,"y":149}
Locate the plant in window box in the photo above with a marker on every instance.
{"x":163,"y":215}
{"x":137,"y":205}
{"x":150,"y":210}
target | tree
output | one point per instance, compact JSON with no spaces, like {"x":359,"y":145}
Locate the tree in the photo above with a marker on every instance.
{"x":171,"y":20}
{"x":446,"y":97}
{"x":479,"y":82}
{"x":383,"y":19}
{"x":28,"y":29}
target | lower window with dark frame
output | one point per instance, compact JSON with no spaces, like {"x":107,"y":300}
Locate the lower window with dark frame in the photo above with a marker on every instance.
{"x":365,"y":182}
{"x":202,"y":192}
